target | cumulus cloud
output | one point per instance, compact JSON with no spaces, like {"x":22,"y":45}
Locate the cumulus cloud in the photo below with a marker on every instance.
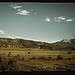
{"x":15,"y":6}
{"x":61,"y":18}
{"x":20,"y":11}
{"x":23,"y":12}
{"x":1,"y":32}
{"x":69,"y":20}
{"x":56,"y":19}
{"x":47,"y":19}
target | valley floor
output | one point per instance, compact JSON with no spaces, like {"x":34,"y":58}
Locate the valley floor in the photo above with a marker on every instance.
{"x":23,"y":60}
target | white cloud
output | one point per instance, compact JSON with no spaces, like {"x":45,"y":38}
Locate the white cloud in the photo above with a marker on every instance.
{"x":56,"y":19}
{"x":23,"y":12}
{"x":61,"y":18}
{"x":1,"y":32}
{"x":47,"y":19}
{"x":69,"y":20}
{"x":15,"y":6}
{"x":20,"y":11}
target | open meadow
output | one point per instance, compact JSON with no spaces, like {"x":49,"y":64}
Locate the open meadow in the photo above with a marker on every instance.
{"x":28,"y":59}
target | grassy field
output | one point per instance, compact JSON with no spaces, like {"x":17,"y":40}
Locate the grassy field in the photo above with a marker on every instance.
{"x":40,"y":59}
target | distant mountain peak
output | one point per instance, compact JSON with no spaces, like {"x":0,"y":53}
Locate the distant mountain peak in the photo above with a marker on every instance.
{"x":66,"y":41}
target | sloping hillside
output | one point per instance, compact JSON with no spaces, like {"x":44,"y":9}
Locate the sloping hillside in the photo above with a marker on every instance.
{"x":21,"y":43}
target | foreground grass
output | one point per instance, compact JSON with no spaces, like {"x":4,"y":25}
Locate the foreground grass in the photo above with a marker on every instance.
{"x":36,"y":60}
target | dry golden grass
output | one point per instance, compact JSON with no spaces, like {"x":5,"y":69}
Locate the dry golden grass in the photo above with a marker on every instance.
{"x":35,"y":52}
{"x":38,"y":53}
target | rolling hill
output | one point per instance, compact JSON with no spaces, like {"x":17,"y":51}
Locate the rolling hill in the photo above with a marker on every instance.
{"x":21,"y":43}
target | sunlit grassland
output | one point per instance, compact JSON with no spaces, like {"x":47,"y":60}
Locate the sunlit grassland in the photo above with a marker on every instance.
{"x":35,"y":52}
{"x":39,"y":62}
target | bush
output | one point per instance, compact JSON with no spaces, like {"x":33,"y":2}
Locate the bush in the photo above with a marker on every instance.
{"x":13,"y":65}
{"x":9,"y":54}
{"x":42,"y":58}
{"x":22,"y":59}
{"x":69,"y":52}
{"x":9,"y":64}
{"x":33,"y":57}
{"x":59,"y":57}
{"x":69,"y":58}
{"x":4,"y":64}
{"x":45,"y":58}
{"x":18,"y":57}
{"x":29,"y":53}
{"x":2,"y":57}
{"x":49,"y":57}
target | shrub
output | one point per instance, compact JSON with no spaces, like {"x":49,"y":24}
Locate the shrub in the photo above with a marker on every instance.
{"x":29,"y":53}
{"x":13,"y":65}
{"x":2,"y":57}
{"x":9,"y":64}
{"x":45,"y":58}
{"x":42,"y":58}
{"x":18,"y":57}
{"x":3,"y":64}
{"x":33,"y":57}
{"x":69,"y":58}
{"x":9,"y":54}
{"x":22,"y":59}
{"x":49,"y":57}
{"x":69,"y":52}
{"x":59,"y":57}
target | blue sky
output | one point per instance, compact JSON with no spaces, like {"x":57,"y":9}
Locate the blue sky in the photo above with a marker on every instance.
{"x":47,"y":22}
